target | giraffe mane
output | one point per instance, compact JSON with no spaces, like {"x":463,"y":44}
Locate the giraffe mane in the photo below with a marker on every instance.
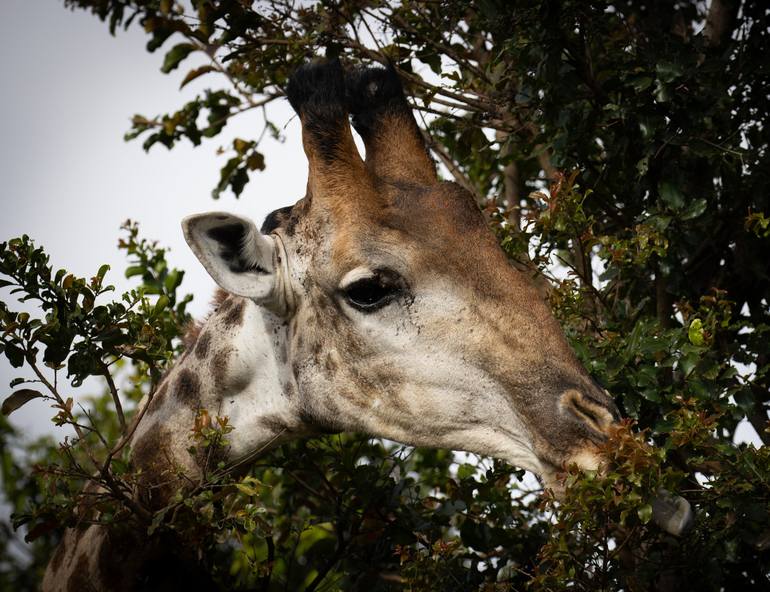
{"x":192,"y":329}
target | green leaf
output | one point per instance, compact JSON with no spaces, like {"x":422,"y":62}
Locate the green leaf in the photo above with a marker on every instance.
{"x":172,"y":281}
{"x":476,"y":534}
{"x":668,"y":71}
{"x":14,"y":354}
{"x":175,"y":55}
{"x":695,"y":209}
{"x":196,"y":73}
{"x":238,"y":181}
{"x":102,"y":271}
{"x":158,"y":520}
{"x":671,"y":195}
{"x":687,"y":363}
{"x":744,"y":398}
{"x":134,"y":270}
{"x":40,"y":529}
{"x":160,"y":305}
{"x":19,"y":399}
{"x":225,"y":175}
{"x":256,"y":161}
{"x":642,"y":165}
{"x":695,"y":332}
{"x":662,"y":92}
{"x":241,"y":146}
{"x":246,"y":489}
{"x":641,"y":83}
{"x":645,"y":513}
{"x":466,"y":470}
{"x":451,"y":507}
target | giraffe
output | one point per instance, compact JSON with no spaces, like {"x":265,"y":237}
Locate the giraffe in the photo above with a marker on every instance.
{"x":379,"y":303}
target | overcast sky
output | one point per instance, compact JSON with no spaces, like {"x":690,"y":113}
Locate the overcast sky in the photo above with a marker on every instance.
{"x":68,"y":178}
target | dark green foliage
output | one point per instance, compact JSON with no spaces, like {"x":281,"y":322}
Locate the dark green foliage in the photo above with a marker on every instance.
{"x":79,"y":334}
{"x":622,"y":143}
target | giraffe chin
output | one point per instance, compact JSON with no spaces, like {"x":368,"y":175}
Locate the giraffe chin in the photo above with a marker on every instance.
{"x":554,"y":477}
{"x":555,"y":482}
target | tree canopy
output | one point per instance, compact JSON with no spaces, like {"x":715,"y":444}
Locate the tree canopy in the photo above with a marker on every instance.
{"x":620,"y":151}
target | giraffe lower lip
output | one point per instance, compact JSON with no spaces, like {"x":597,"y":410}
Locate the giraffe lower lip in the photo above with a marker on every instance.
{"x":553,"y":477}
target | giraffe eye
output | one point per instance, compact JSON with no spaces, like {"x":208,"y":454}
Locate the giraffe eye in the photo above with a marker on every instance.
{"x":372,"y":293}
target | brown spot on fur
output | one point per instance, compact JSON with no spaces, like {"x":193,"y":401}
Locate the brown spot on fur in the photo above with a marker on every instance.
{"x":322,"y":424}
{"x":148,"y":450}
{"x":159,"y":396}
{"x":296,"y":367}
{"x":58,"y":556}
{"x":234,"y":316}
{"x":208,"y":458}
{"x":330,"y":364}
{"x":220,"y":296}
{"x":218,"y":368}
{"x":187,"y":388}
{"x":225,"y":305}
{"x":274,"y":423}
{"x":80,"y":577}
{"x":202,"y":347}
{"x":191,"y":332}
{"x":117,"y":559}
{"x":151,"y":454}
{"x":289,"y":390}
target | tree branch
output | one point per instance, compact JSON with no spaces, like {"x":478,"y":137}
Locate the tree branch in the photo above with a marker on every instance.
{"x":115,"y":397}
{"x":720,"y":21}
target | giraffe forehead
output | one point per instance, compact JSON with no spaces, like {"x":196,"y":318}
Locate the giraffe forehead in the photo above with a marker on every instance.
{"x":411,"y":225}
{"x":422,"y":232}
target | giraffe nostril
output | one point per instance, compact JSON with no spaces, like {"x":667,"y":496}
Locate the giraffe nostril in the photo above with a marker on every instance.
{"x":597,"y":416}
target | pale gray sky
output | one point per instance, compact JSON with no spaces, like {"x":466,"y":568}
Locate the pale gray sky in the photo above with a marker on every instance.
{"x":68,"y":178}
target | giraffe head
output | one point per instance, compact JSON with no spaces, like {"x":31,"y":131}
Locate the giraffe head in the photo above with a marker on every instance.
{"x":403,"y":317}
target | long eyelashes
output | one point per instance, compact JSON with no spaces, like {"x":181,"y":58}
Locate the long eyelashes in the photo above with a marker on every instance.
{"x":372,"y":293}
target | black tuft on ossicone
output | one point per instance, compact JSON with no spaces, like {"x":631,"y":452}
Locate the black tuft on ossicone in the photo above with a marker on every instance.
{"x":317,"y":85}
{"x":316,"y":91}
{"x":371,"y":93}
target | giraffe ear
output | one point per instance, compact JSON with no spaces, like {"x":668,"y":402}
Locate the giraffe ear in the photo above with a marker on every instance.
{"x":239,"y":258}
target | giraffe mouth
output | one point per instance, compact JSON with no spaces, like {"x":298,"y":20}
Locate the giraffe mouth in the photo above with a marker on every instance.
{"x":553,"y":477}
{"x":554,"y":474}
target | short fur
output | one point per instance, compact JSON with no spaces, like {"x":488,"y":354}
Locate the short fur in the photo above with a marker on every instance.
{"x":465,"y":355}
{"x":395,"y":148}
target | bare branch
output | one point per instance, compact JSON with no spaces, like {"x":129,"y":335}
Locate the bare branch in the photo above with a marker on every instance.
{"x":115,"y":397}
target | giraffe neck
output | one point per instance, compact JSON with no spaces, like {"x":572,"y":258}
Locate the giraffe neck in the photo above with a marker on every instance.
{"x":237,"y":368}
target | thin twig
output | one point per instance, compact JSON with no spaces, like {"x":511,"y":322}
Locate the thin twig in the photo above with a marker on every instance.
{"x":115,"y":397}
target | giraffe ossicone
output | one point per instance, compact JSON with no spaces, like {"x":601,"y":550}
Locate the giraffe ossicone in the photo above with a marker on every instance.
{"x":380,"y":303}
